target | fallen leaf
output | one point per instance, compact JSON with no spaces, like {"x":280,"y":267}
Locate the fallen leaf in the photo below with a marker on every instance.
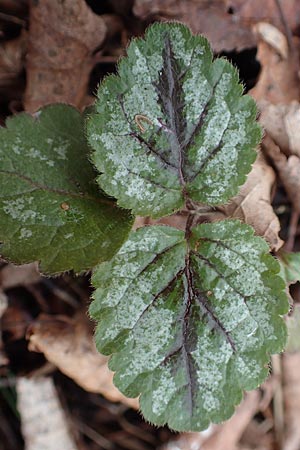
{"x":272,"y":119}
{"x":211,"y":18}
{"x":12,"y":276}
{"x":292,"y":126}
{"x":62,"y":38}
{"x":282,"y":123}
{"x":254,"y":11}
{"x":288,"y":169}
{"x":69,"y":345}
{"x":274,"y":37}
{"x":226,"y":23}
{"x":278,"y":80}
{"x":177,"y":220}
{"x":253,"y":203}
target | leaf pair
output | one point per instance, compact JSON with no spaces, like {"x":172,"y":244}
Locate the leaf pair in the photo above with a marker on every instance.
{"x":190,"y":318}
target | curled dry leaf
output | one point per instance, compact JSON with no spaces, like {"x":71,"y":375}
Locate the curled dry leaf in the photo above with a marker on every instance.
{"x":288,"y":169}
{"x":278,"y":81}
{"x":274,"y":37}
{"x":282,"y":122}
{"x":253,"y":203}
{"x":68,"y":344}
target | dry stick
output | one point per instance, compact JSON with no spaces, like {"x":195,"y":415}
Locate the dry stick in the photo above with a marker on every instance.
{"x":94,"y":435}
{"x":13,"y":19}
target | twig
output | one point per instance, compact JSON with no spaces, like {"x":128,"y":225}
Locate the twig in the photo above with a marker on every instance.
{"x":94,"y":435}
{"x":14,"y":19}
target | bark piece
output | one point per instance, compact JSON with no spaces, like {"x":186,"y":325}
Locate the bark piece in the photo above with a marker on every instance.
{"x":68,"y":344}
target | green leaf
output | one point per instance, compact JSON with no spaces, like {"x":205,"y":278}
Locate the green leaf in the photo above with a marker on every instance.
{"x":51,"y":209}
{"x":190,"y":324}
{"x":290,"y":266}
{"x":173,"y":124}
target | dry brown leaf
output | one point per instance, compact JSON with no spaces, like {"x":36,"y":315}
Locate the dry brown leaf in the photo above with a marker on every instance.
{"x":292,"y":126}
{"x":62,"y":38}
{"x":253,"y":204}
{"x":177,"y":220}
{"x":288,"y":169}
{"x":282,"y":123}
{"x":279,"y":80}
{"x":226,"y":23}
{"x":69,"y":345}
{"x":272,"y":119}
{"x":274,"y":37}
{"x":12,"y":276}
{"x":255,"y":11}
{"x":210,"y":18}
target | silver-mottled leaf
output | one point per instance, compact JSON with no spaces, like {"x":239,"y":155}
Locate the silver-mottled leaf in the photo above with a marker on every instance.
{"x":173,"y":124}
{"x":190,"y":324}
